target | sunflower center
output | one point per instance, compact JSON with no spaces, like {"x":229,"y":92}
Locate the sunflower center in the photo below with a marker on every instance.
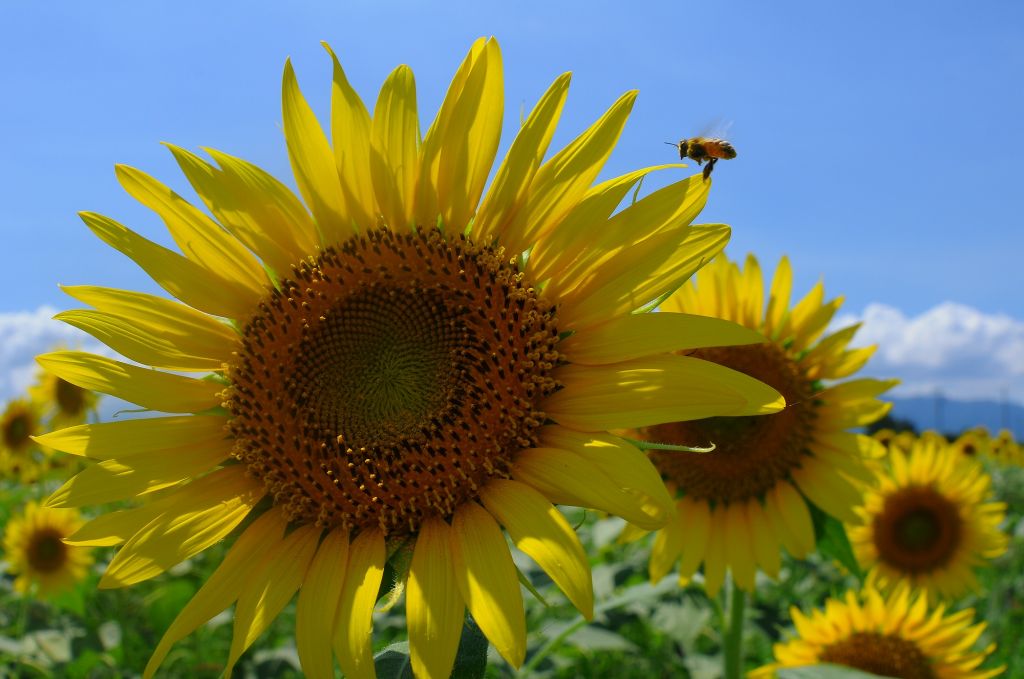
{"x":390,"y":379}
{"x":918,"y":530}
{"x":969,"y":449}
{"x":880,"y":654}
{"x":751,"y":453}
{"x":17,"y":431}
{"x":46,"y":551}
{"x":70,"y":398}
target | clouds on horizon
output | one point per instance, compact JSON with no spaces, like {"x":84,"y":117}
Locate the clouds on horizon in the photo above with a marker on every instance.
{"x":952,"y":348}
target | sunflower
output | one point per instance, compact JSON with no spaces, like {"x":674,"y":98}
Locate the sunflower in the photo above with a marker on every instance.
{"x":404,"y":366}
{"x":926,"y":520}
{"x":895,"y":636}
{"x":20,"y":456}
{"x":64,"y":404}
{"x":36,"y":553}
{"x":1004,"y":449}
{"x":738,"y":505}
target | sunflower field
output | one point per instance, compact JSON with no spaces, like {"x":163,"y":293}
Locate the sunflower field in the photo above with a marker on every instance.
{"x":443,"y":413}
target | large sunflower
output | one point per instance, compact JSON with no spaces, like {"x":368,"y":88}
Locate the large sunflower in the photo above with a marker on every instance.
{"x":738,"y":505}
{"x":36,"y":553}
{"x":926,"y":520}
{"x":405,"y":363}
{"x":896,"y":636}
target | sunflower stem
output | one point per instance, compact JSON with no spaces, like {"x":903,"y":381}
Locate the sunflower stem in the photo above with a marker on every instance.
{"x":733,"y":641}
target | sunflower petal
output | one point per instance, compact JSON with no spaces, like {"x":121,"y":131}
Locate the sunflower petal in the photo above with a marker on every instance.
{"x":134,"y":437}
{"x":190,"y":282}
{"x":313,"y":163}
{"x":636,"y":335}
{"x":151,"y":389}
{"x":511,"y":185}
{"x":270,"y":587}
{"x":540,"y":530}
{"x":487,"y":580}
{"x":655,"y":390}
{"x":353,"y":627}
{"x":394,"y":156}
{"x":206,"y":510}
{"x":318,"y":600}
{"x":434,"y":607}
{"x":224,"y":585}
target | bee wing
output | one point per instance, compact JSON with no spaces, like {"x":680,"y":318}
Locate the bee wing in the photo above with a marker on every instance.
{"x":719,"y":128}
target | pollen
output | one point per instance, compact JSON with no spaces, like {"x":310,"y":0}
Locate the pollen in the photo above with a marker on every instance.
{"x":390,"y":378}
{"x":751,"y":453}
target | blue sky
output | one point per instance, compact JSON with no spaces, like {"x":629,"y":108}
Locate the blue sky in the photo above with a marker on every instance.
{"x":879,"y":143}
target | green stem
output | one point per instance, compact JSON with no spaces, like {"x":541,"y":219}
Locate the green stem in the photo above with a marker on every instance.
{"x":552,"y":644}
{"x":733,"y":642}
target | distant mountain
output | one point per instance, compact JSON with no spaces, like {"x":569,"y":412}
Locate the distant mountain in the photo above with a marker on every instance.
{"x":951,"y":416}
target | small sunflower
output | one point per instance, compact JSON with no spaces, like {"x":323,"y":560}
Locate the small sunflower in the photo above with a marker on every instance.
{"x":739,"y":505}
{"x":20,"y":456}
{"x":1003,"y":448}
{"x":64,"y":404}
{"x":404,"y":365}
{"x":926,"y":520}
{"x":973,"y":443}
{"x":896,"y":636}
{"x":36,"y":553}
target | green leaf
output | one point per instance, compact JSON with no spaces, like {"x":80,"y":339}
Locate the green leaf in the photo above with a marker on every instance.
{"x":393,"y":662}
{"x":832,"y":541}
{"x":825,"y":671}
{"x":471,"y":660}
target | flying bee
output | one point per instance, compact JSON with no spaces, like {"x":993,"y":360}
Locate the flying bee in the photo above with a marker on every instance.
{"x":703,"y":149}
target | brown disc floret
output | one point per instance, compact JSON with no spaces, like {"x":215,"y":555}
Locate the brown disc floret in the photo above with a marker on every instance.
{"x":390,"y":378}
{"x":880,"y":654}
{"x":918,"y":530}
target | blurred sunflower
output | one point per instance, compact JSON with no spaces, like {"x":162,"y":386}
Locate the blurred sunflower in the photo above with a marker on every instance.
{"x":20,"y":456}
{"x":926,"y":521}
{"x":1003,"y":447}
{"x":36,"y":553}
{"x":394,"y":372}
{"x":739,"y":505}
{"x":63,"y":404}
{"x":896,"y":636}
{"x":973,"y":443}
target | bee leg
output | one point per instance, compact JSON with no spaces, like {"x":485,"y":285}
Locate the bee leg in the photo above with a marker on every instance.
{"x":710,"y":166}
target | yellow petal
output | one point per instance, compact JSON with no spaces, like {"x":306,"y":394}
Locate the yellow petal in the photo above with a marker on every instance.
{"x":394,"y":156}
{"x":739,"y":545}
{"x":668,"y":545}
{"x":562,"y":182}
{"x":765,"y":543}
{"x":123,"y":479}
{"x":193,"y":334}
{"x":540,"y":530}
{"x":190,"y":282}
{"x":511,"y":185}
{"x":716,"y":556}
{"x":829,"y":491}
{"x":200,"y":238}
{"x":637,"y":335}
{"x":313,"y":163}
{"x":459,"y":147}
{"x":205,"y":511}
{"x":641,"y":274}
{"x":252,"y":206}
{"x":787,"y":504}
{"x":353,"y":627}
{"x":487,"y":580}
{"x":778,"y":298}
{"x":270,"y":587}
{"x":619,"y":461}
{"x":150,"y":389}
{"x":753,"y":293}
{"x":654,"y":390}
{"x":224,"y":585}
{"x":133,"y":437}
{"x":564,"y":477}
{"x":434,"y":607}
{"x":593,"y":243}
{"x":150,"y":346}
{"x":318,"y":603}
{"x":695,"y":516}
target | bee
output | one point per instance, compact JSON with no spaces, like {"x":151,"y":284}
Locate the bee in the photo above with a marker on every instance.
{"x":704,"y":148}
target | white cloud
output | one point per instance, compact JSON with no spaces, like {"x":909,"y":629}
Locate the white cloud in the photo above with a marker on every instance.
{"x":951,"y":348}
{"x":23,"y":334}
